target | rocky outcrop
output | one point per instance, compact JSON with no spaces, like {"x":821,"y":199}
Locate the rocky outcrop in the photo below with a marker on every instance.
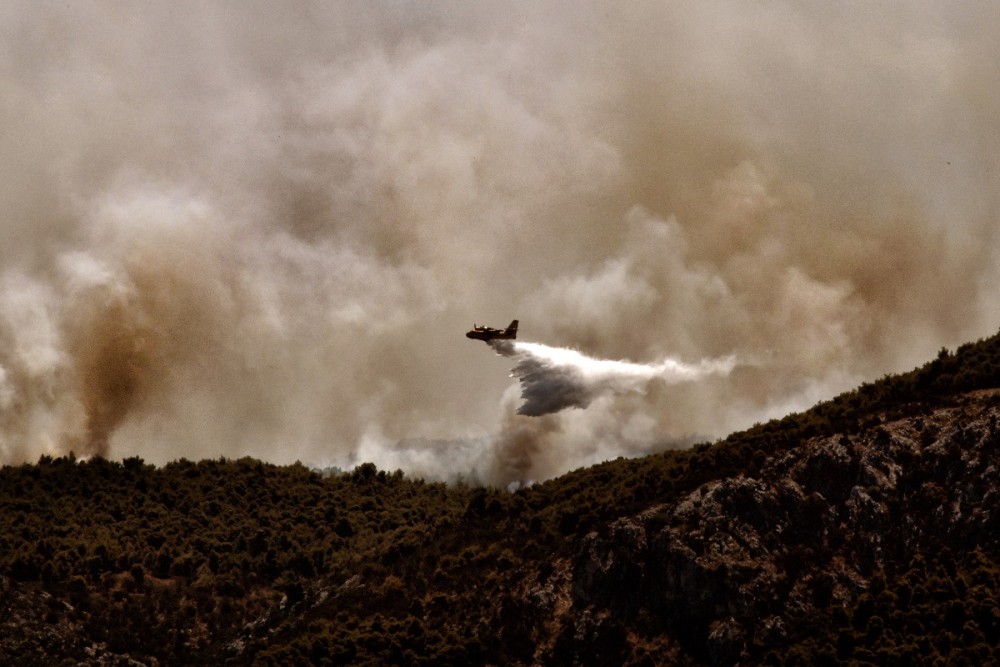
{"x":752,"y":561}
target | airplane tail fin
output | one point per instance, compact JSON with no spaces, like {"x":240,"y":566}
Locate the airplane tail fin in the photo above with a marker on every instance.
{"x":512,"y":329}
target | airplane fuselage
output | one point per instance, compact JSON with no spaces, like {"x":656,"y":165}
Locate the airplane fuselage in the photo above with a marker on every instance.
{"x":489,"y":333}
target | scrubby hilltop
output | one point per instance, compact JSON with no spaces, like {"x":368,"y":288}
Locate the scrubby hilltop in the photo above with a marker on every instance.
{"x":864,"y":529}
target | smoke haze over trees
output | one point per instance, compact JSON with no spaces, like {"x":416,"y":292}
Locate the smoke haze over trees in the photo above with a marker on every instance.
{"x":262,"y":230}
{"x":861,"y":531}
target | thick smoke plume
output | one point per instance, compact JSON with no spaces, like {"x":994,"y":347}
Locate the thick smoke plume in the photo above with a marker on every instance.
{"x":556,"y":378}
{"x":263,"y":228}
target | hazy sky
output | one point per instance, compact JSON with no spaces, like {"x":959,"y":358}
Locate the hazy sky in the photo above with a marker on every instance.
{"x":263,"y":228}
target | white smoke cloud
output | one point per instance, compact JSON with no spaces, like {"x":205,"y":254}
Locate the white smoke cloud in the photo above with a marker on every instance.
{"x":265,"y":231}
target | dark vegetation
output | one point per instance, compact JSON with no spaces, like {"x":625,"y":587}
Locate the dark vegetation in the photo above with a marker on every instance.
{"x":757,"y":549}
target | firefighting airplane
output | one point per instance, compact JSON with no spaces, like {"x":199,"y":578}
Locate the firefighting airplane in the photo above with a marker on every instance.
{"x":489,"y":333}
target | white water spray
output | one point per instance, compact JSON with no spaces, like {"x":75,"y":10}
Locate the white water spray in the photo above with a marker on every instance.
{"x":555,"y":378}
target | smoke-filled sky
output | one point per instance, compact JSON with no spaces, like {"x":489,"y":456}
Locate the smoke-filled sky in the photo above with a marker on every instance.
{"x":263,"y":228}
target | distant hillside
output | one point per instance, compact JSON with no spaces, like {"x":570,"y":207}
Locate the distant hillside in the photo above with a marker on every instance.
{"x":863,"y":530}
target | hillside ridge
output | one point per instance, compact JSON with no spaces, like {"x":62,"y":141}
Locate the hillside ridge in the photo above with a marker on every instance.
{"x":860,"y":530}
